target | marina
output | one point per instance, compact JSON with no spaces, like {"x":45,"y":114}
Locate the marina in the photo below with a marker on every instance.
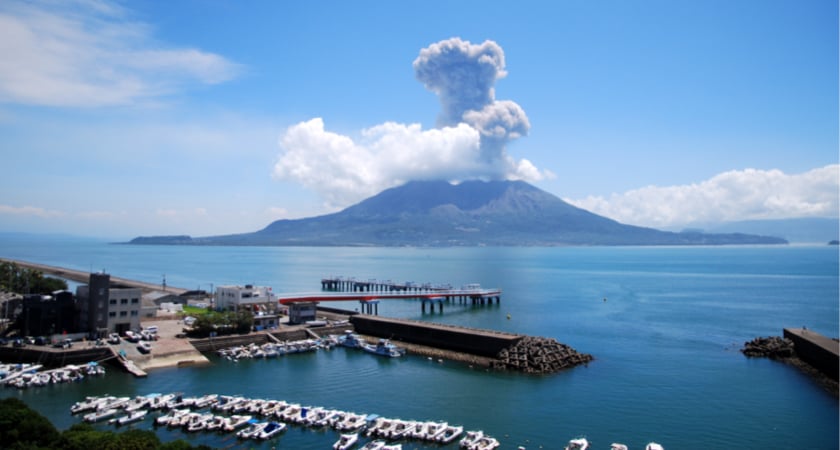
{"x":269,"y":418}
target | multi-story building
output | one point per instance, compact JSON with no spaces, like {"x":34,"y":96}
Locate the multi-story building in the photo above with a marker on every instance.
{"x":104,"y":309}
{"x":48,"y":314}
{"x":253,"y":298}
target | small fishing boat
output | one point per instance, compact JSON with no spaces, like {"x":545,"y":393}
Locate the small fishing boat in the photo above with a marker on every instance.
{"x":449,"y":434}
{"x":88,"y":404}
{"x":471,"y":439}
{"x":216,"y":423}
{"x":392,"y":447}
{"x":133,"y":416}
{"x":384,"y":348}
{"x":374,"y":445}
{"x":174,"y":414}
{"x":253,"y":430}
{"x":617,"y":446}
{"x":235,"y":421}
{"x":271,"y":429}
{"x":351,"y":340}
{"x":100,"y":415}
{"x":486,"y":443}
{"x":199,"y":423}
{"x":654,"y":446}
{"x":346,"y":441}
{"x":578,"y":444}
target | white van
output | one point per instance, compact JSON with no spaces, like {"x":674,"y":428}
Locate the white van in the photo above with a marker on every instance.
{"x":151,"y":329}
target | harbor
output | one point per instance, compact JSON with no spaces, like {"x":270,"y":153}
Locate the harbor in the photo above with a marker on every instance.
{"x":643,"y":343}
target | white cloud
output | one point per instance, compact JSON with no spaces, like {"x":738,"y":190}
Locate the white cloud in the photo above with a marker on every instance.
{"x":31,"y":211}
{"x":343,"y":171}
{"x":89,"y":54}
{"x":470,"y":143}
{"x":748,"y":194}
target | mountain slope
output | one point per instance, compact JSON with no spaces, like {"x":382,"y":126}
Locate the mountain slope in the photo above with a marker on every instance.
{"x":436,"y":213}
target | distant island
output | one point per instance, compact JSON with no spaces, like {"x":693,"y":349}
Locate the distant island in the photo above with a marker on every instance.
{"x":472,"y":213}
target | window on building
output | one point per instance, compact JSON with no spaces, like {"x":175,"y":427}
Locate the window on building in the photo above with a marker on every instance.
{"x":123,"y":313}
{"x":135,"y":301}
{"x":134,"y":313}
{"x":112,"y":314}
{"x":123,"y":301}
{"x":113,"y":301}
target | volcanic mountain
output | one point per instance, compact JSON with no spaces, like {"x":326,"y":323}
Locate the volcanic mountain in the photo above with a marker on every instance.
{"x":472,"y":213}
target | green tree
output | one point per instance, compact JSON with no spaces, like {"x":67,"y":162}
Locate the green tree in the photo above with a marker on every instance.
{"x":14,"y":278}
{"x":23,"y":428}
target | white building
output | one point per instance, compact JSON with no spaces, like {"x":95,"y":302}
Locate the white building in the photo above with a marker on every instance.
{"x":249,"y":296}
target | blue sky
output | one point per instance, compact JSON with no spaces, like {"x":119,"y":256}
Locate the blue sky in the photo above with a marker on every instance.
{"x":213,"y":117}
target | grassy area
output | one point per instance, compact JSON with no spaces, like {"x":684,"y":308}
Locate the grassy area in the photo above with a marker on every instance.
{"x":194,"y":310}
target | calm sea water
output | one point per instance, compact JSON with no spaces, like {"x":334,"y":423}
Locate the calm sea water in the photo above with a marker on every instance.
{"x":666,"y":341}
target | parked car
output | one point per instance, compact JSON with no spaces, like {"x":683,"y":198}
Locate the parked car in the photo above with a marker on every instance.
{"x":114,"y":338}
{"x":144,"y":347}
{"x":64,"y":343}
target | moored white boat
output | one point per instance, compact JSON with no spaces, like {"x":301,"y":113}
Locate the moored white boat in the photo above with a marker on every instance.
{"x":486,"y":443}
{"x":346,"y":441}
{"x":174,"y":414}
{"x":617,"y":446}
{"x":271,"y":429}
{"x":133,"y":416}
{"x":253,"y":430}
{"x":449,"y":434}
{"x":98,"y":415}
{"x":384,"y":348}
{"x":654,"y":446}
{"x":471,"y":438}
{"x":235,"y":421}
{"x":578,"y":444}
{"x":374,"y":445}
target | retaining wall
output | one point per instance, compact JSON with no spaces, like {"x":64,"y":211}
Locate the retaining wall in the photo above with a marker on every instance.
{"x":56,"y":358}
{"x":460,"y":339}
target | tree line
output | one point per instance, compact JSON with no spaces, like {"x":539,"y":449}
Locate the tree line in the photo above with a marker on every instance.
{"x":22,"y":428}
{"x":21,"y":280}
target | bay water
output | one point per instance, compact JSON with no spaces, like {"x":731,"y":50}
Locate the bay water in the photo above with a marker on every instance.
{"x":665,"y":325}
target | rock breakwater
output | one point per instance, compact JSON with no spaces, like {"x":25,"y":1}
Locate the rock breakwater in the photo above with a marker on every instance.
{"x":539,"y":355}
{"x":773,"y":347}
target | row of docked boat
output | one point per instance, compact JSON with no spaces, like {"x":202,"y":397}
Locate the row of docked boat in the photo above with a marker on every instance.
{"x":583,"y":444}
{"x":265,"y":418}
{"x":382,"y":348}
{"x":24,"y":376}
{"x":271,"y":349}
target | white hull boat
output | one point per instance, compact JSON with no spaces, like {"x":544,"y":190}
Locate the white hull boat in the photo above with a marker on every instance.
{"x":346,"y":441}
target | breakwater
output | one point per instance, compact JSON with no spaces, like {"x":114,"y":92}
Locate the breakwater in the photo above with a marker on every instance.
{"x":817,"y":350}
{"x":813,"y":353}
{"x":495,"y":349}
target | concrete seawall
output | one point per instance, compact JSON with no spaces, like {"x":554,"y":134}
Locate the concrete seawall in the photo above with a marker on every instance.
{"x":57,"y":358}
{"x":486,"y":343}
{"x":815,"y":349}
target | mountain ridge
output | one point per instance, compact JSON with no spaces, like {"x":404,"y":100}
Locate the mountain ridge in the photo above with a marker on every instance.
{"x":471,"y":213}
